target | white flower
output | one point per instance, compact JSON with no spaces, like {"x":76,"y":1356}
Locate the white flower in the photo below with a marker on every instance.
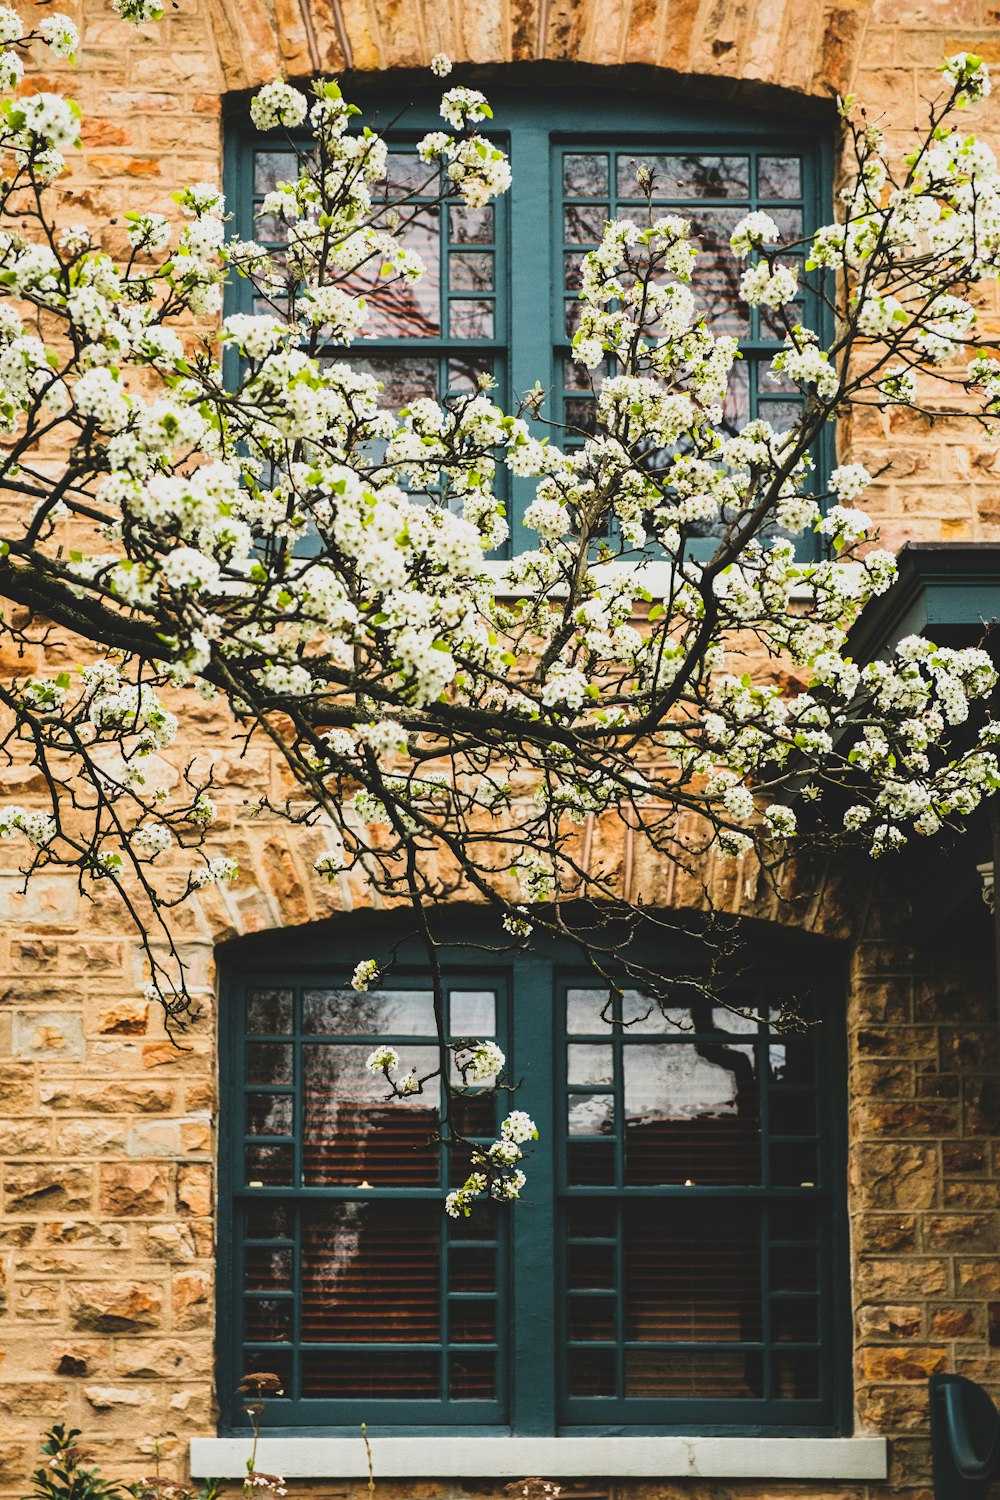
{"x":276,"y":104}
{"x":364,"y":973}
{"x":441,"y":65}
{"x":485,"y":1061}
{"x":60,"y":33}
{"x":383,"y":1059}
{"x":463,"y":106}
{"x":849,"y":481}
{"x":519,"y":1127}
{"x":11,"y":27}
{"x":753,"y":230}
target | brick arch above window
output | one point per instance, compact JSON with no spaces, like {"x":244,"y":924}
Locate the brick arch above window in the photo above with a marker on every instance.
{"x":799,"y":46}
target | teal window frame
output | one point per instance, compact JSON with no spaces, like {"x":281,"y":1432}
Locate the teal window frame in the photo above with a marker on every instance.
{"x":531,"y":1397}
{"x":537,"y":127}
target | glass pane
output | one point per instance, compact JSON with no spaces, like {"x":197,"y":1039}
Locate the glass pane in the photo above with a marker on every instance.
{"x":404,"y":377}
{"x":370,"y":1375}
{"x":371,"y":1274}
{"x":694,"y":175}
{"x":472,"y":1377}
{"x":268,"y":1221}
{"x":779,"y":177}
{"x":589,"y":1064}
{"x":692,"y":1272}
{"x":585,"y":175}
{"x":691,"y":1114}
{"x":591,"y":1266}
{"x":795,"y":1376}
{"x":793,"y":1268}
{"x":353,"y":1134}
{"x":470,"y":271}
{"x":272,"y":167}
{"x":473,"y":1322}
{"x":695,"y":1375}
{"x":793,"y":1164}
{"x":795,"y":1320}
{"x":267,"y":1268}
{"x":590,"y":1114}
{"x":406,"y":173}
{"x":471,"y":1270}
{"x":588,"y":1011}
{"x":591,"y":1219}
{"x":381,"y":1013}
{"x":591,"y":1372}
{"x":474,"y":1115}
{"x":792,"y":1113}
{"x":267,"y":1319}
{"x":398,"y":308}
{"x":271,"y":1362}
{"x":269,"y":1062}
{"x":470,"y":226}
{"x":717,"y":272}
{"x":269,"y":1012}
{"x":268,"y":1166}
{"x":584,"y":225}
{"x":470,"y":320}
{"x":270,"y":1114}
{"x":463,"y":374}
{"x":591,"y":1163}
{"x":591,"y":1319}
{"x":473,"y":1014}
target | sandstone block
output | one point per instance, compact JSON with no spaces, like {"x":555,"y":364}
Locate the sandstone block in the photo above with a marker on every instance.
{"x":132,"y":1189}
{"x":900,"y":1279}
{"x":17,"y":1087}
{"x":961,"y":1322}
{"x":111,"y":1398}
{"x":46,"y":1187}
{"x":191,"y":1299}
{"x":52,"y":900}
{"x":903,"y":1175}
{"x":978,"y":1276}
{"x":164,"y":1359}
{"x":85,"y":1232}
{"x":910,"y":1362}
{"x":109,"y":1307}
{"x":155,"y":1138}
{"x":48,"y":1034}
{"x":108,"y":1097}
{"x":37,"y":1302}
{"x":124,"y":1018}
{"x":99,"y":1137}
{"x":27,"y":1398}
{"x":885,"y":1233}
{"x":885,"y":1321}
{"x":961,"y":1231}
{"x":170,"y":1241}
{"x":194,"y":1190}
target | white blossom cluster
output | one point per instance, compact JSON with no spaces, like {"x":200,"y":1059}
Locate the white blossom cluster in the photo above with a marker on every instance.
{"x":255,"y":529}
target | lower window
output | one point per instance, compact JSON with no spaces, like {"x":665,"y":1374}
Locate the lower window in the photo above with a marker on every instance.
{"x":676,"y":1260}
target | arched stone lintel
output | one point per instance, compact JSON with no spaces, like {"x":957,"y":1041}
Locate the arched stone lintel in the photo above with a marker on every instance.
{"x":753,"y":51}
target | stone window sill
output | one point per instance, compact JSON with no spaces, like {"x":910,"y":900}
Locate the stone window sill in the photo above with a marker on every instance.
{"x":784,"y":1458}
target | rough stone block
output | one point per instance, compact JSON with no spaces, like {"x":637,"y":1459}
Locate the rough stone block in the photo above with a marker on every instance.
{"x":48,"y":1034}
{"x":135,"y":1190}
{"x":110,"y":1307}
{"x":46,"y":1188}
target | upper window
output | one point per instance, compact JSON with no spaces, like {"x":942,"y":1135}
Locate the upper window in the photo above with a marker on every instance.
{"x":499,"y":293}
{"x":676,"y":1260}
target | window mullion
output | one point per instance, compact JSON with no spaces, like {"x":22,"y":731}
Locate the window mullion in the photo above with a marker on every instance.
{"x":533,"y":1238}
{"x":531,"y":284}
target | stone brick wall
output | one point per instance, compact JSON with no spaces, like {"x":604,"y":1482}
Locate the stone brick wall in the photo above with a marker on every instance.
{"x":107,"y":1129}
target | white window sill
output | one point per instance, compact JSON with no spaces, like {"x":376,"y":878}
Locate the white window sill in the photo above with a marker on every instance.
{"x":790,"y":1458}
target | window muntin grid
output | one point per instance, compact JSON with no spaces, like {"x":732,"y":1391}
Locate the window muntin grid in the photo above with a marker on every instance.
{"x":553,"y":1305}
{"x":354,"y":1286}
{"x":722,"y":1301}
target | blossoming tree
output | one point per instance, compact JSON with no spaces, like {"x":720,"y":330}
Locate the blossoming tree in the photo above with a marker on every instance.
{"x":278,"y":539}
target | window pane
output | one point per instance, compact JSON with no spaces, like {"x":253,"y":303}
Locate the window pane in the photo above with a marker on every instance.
{"x":270,"y":1114}
{"x":590,"y":1114}
{"x":367,"y":1375}
{"x":267,"y":1268}
{"x":589,"y":1064}
{"x":473,"y":1014}
{"x":677,"y":1374}
{"x":371,"y":1274}
{"x":470,"y":226}
{"x":404,"y":377}
{"x":470,"y":320}
{"x":592,"y":1373}
{"x":692,"y":1272}
{"x":691,"y":1114}
{"x":472,"y":1377}
{"x":588,"y":1011}
{"x":779,"y":177}
{"x":685,"y":176}
{"x":470,"y":271}
{"x":585,"y":175}
{"x":269,"y":1012}
{"x":585,"y":225}
{"x":266,"y":1320}
{"x":268,"y":1166}
{"x":591,"y":1319}
{"x":269,"y":1062}
{"x":591,"y":1266}
{"x":398,"y":308}
{"x":354,"y":1134}
{"x":380,"y":1013}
